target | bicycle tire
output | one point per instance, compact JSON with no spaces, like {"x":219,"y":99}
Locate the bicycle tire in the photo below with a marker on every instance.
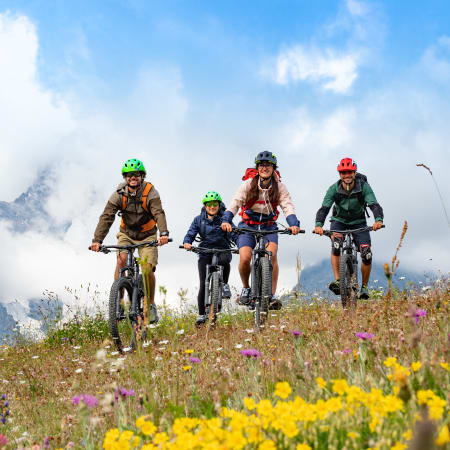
{"x":265,"y":291}
{"x":121,"y":328}
{"x":214,"y":297}
{"x":347,"y":281}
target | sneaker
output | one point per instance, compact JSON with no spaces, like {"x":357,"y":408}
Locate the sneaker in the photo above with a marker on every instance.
{"x":153,"y":313}
{"x":335,"y":287}
{"x":244,"y":298}
{"x":275,"y":303}
{"x":364,"y":294}
{"x":226,"y":292}
{"x":201,"y":319}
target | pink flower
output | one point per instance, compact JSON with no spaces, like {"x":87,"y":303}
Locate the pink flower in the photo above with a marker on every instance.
{"x":194,"y":359}
{"x":251,"y":353}
{"x":88,"y":400}
{"x":419,"y":313}
{"x":296,"y":333}
{"x":3,"y":440}
{"x":364,"y":335}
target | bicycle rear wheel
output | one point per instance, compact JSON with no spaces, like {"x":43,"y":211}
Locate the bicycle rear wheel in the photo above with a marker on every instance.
{"x":121,"y":324}
{"x":264,"y":278}
{"x":347,"y":281}
{"x":214,"y":297}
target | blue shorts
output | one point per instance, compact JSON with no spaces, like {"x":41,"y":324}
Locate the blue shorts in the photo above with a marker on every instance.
{"x":361,"y":238}
{"x":248,"y":240}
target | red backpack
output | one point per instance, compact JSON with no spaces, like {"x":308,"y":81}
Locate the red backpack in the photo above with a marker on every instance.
{"x":251,"y":172}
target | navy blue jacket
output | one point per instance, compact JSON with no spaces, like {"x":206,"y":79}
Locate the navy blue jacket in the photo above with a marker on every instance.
{"x":212,"y":236}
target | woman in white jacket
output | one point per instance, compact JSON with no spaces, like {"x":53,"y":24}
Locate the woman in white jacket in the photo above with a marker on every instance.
{"x":259,"y":197}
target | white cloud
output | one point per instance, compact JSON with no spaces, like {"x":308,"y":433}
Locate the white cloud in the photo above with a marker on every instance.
{"x":334,"y":72}
{"x":436,"y":60}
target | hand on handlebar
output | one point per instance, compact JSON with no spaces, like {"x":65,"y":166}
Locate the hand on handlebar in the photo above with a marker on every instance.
{"x":377,"y":225}
{"x":187,"y":246}
{"x":226,"y":227}
{"x":294,"y":230}
{"x":162,"y":240}
{"x":318,"y":230}
{"x":95,"y":246}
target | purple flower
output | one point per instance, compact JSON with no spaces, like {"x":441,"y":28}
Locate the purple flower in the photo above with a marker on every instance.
{"x":88,"y":400}
{"x":364,"y":335}
{"x":347,"y":350}
{"x":296,"y":333}
{"x":126,"y":392}
{"x":194,"y":359}
{"x":419,"y":313}
{"x":47,"y":442}
{"x":76,"y":400}
{"x":251,"y":353}
{"x":3,"y":396}
{"x":3,"y":420}
{"x":3,"y":440}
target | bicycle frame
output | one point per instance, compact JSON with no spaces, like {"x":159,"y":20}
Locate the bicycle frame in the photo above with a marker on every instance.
{"x":210,"y":269}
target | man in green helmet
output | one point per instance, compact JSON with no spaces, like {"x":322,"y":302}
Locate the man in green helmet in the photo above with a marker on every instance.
{"x":142,"y":214}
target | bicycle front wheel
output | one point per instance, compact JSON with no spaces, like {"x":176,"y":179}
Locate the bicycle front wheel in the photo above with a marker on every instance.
{"x":121,"y":324}
{"x":214,"y":297}
{"x":264,"y":292}
{"x":347,"y":281}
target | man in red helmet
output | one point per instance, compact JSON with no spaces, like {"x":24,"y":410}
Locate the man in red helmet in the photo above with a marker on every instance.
{"x":350,"y":196}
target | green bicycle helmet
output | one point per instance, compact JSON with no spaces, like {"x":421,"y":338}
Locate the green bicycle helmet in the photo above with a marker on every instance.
{"x":211,"y":196}
{"x":266,"y":156}
{"x":133,"y":165}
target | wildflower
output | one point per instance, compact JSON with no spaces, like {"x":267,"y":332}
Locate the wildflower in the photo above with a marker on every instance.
{"x":147,"y":426}
{"x":445,"y":366}
{"x":283,"y":389}
{"x":249,"y":330}
{"x":340,"y":386}
{"x":419,"y":313}
{"x":415,"y":366}
{"x":352,"y":435}
{"x":251,"y":352}
{"x":79,"y":370}
{"x":267,"y":444}
{"x":364,"y":335}
{"x":180,"y":332}
{"x":126,"y":349}
{"x":89,"y":400}
{"x":3,"y":440}
{"x":321,"y":382}
{"x":443,"y":437}
{"x":186,"y":368}
{"x":347,"y":350}
{"x":114,"y":353}
{"x":296,"y":333}
{"x":407,"y":435}
{"x":249,"y":403}
{"x":164,"y":342}
{"x":389,"y":362}
{"x":238,"y":346}
{"x":194,"y":359}
{"x":398,"y":446}
{"x":303,"y":447}
{"x":125,"y":392}
{"x":189,"y":351}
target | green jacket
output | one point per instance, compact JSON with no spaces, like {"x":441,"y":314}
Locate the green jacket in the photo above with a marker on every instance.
{"x":349,"y":208}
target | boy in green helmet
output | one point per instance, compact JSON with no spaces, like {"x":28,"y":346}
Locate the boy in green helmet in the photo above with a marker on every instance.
{"x":142,"y":214}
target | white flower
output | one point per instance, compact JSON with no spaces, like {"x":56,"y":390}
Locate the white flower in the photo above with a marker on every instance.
{"x":238,"y":346}
{"x":35,"y":357}
{"x":77,"y":347}
{"x":74,"y":360}
{"x":219,"y":349}
{"x":180,"y":332}
{"x":175,"y":353}
{"x":126,"y":349}
{"x":114,"y":353}
{"x":163,"y":342}
{"x":151,"y":326}
{"x":161,"y":349}
{"x":249,"y":330}
{"x":272,"y":326}
{"x":22,"y":381}
{"x":282,"y":327}
{"x":248,"y":340}
{"x":145,"y":344}
{"x":426,"y":288}
{"x":107,"y":346}
{"x":79,"y":370}
{"x":158,"y":358}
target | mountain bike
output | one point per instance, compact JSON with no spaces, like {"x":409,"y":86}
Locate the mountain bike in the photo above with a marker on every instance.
{"x":261,"y":273}
{"x":348,"y":265}
{"x":213,"y":281}
{"x":126,"y":299}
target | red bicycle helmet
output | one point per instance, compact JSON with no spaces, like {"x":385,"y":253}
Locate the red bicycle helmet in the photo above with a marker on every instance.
{"x":347,"y":164}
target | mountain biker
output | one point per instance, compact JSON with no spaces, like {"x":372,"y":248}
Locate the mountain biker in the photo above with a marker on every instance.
{"x":139,"y":204}
{"x":259,"y":197}
{"x":350,"y":195}
{"x":208,"y":226}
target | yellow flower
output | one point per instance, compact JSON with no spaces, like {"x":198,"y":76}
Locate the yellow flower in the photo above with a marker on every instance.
{"x":388,"y":362}
{"x":321,"y":382}
{"x":267,"y":444}
{"x":445,"y":366}
{"x":186,"y":368}
{"x":398,"y":446}
{"x":444,"y":436}
{"x":282,"y":389}
{"x":415,"y":366}
{"x":340,"y":386}
{"x":135,"y":442}
{"x":160,"y":438}
{"x":303,"y":447}
{"x":407,"y":435}
{"x":147,"y":426}
{"x":353,"y":435}
{"x":189,"y":351}
{"x":249,"y":403}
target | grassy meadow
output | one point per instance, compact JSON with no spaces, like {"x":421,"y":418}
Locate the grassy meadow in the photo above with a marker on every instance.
{"x":316,"y":377}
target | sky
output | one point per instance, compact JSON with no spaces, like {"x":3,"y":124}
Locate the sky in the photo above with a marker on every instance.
{"x":196,"y":90}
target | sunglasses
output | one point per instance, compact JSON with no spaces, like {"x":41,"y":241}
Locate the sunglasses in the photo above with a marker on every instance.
{"x":133,"y":174}
{"x":347,"y":172}
{"x":213,"y":204}
{"x":265,"y":165}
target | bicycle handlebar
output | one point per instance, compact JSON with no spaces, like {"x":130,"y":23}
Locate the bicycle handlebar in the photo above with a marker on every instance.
{"x":210,"y":250}
{"x":108,"y":248}
{"x":329,"y":232}
{"x":262,"y":232}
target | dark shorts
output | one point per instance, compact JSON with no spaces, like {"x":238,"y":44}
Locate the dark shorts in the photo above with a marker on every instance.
{"x":361,"y":238}
{"x":247,"y":240}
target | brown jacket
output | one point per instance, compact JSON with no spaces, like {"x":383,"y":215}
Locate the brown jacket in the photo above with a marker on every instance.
{"x":134,"y":215}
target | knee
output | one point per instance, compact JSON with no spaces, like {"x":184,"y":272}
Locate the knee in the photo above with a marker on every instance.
{"x":122,"y":260}
{"x":245,"y":260}
{"x":366,"y":254}
{"x":336,"y":244}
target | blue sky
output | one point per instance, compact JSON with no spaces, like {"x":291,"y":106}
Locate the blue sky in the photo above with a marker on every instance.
{"x":195,"y":89}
